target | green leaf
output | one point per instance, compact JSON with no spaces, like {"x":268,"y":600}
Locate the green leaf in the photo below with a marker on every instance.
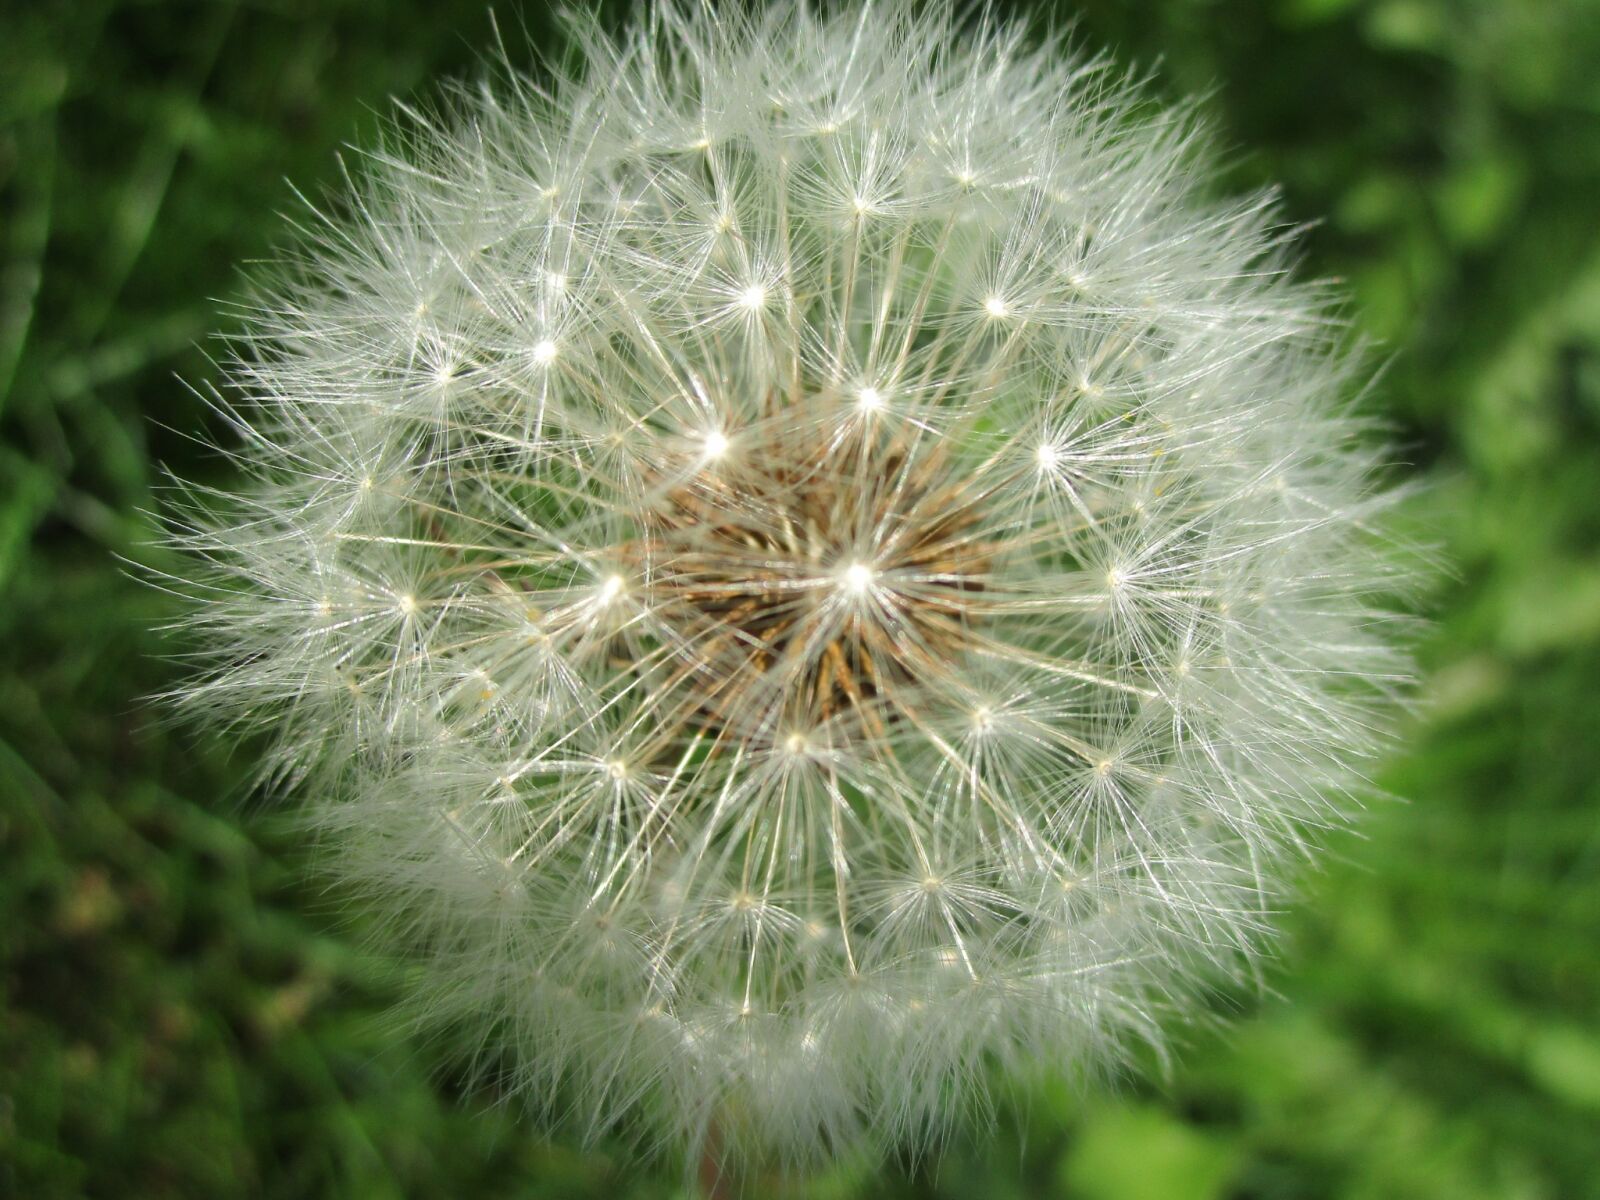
{"x":1142,"y":1153}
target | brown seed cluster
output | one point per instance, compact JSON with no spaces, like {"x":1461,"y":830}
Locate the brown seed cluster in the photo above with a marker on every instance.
{"x":812,"y":586}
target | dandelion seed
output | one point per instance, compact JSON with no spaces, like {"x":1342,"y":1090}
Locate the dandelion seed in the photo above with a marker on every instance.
{"x":857,"y":578}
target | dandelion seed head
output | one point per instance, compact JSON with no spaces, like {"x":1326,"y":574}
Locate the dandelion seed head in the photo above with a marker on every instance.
{"x":738,"y":765}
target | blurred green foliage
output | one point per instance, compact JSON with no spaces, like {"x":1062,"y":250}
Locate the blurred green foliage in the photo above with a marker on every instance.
{"x":184,"y":1016}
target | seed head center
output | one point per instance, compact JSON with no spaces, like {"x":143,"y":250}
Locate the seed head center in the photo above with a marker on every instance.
{"x":769,"y":577}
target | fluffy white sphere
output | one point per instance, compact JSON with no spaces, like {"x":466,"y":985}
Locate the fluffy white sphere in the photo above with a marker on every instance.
{"x":811,"y":559}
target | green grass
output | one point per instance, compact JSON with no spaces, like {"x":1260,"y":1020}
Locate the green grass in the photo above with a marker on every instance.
{"x":183,"y":1015}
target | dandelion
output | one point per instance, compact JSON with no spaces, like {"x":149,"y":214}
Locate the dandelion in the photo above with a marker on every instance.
{"x":807,"y":564}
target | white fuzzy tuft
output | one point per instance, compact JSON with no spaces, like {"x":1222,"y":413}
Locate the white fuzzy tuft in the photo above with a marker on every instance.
{"x":809,"y":562}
